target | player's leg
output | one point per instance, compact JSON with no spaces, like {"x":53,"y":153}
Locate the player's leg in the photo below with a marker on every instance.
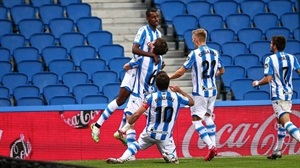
{"x":209,"y":122}
{"x":276,"y":153}
{"x":168,"y":150}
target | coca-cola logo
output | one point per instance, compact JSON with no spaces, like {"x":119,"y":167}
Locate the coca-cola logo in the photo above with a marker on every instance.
{"x":20,"y":148}
{"x":80,"y":119}
{"x":239,"y":137}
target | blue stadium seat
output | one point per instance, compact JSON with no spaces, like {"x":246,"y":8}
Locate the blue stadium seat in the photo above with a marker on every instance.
{"x":210,"y":22}
{"x":234,"y":48}
{"x":226,"y":60}
{"x":198,"y":8}
{"x":110,"y":51}
{"x":30,"y":101}
{"x":75,"y":11}
{"x":68,"y":2}
{"x":260,"y":48}
{"x":297,"y":33}
{"x":246,"y":60}
{"x":30,"y":67}
{"x":49,"y":12}
{"x":50,"y":91}
{"x":74,"y":78}
{"x":71,"y":39}
{"x":3,"y":13}
{"x":249,"y":35}
{"x":296,"y":85}
{"x":290,"y":20}
{"x":53,"y":52}
{"x":257,"y":95}
{"x":79,"y":53}
{"x":20,"y":12}
{"x":58,"y":26}
{"x":189,"y":45}
{"x":277,"y":31}
{"x":39,"y":3}
{"x":62,"y":100}
{"x":43,"y":79}
{"x":116,"y":64}
{"x":12,"y":41}
{"x":25,"y":53}
{"x":61,"y":66}
{"x":92,"y":65}
{"x":26,"y":91}
{"x":4,"y":92}
{"x":111,"y":90}
{"x":109,"y":76}
{"x":94,"y":99}
{"x":222,"y":35}
{"x":85,"y":25}
{"x":280,"y":7}
{"x":28,"y":27}
{"x":236,"y":22}
{"x":99,"y":38}
{"x":296,"y":8}
{"x":252,"y":7}
{"x":238,"y":71}
{"x":4,"y":54}
{"x":215,"y":46}
{"x":4,"y":102}
{"x":6,"y":67}
{"x":255,"y":72}
{"x":295,"y":95}
{"x":6,"y":27}
{"x":191,"y":22}
{"x":10,"y":3}
{"x":292,"y":46}
{"x":264,"y":21}
{"x":241,"y":86}
{"x":83,"y":90}
{"x":220,"y":9}
{"x":13,"y":80}
{"x":41,"y":41}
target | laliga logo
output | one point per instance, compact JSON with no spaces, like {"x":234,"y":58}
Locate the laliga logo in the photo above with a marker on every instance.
{"x":81,"y":119}
{"x":243,"y":135}
{"x":20,"y":148}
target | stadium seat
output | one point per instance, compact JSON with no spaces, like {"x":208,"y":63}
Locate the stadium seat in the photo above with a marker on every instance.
{"x":198,"y":8}
{"x":41,"y":41}
{"x":4,"y":54}
{"x":249,"y":35}
{"x":43,"y":79}
{"x":255,"y":72}
{"x":227,"y":78}
{"x":109,"y":76}
{"x":236,"y":22}
{"x":234,"y":48}
{"x":20,"y":12}
{"x":3,"y":13}
{"x":85,"y":25}
{"x":226,"y":60}
{"x":26,"y":91}
{"x":6,"y":67}
{"x":296,"y":7}
{"x":191,"y":22}
{"x":61,"y":66}
{"x":116,"y":64}
{"x":210,"y":22}
{"x":51,"y":91}
{"x":75,"y":11}
{"x":6,"y":27}
{"x":58,"y":26}
{"x":297,"y":33}
{"x":92,"y":65}
{"x":62,"y":100}
{"x":30,"y":67}
{"x":241,"y":86}
{"x":292,"y":46}
{"x":220,"y":9}
{"x":295,"y":95}
{"x":111,"y":90}
{"x":246,"y":60}
{"x":260,"y":48}
{"x":4,"y":92}
{"x":252,"y":7}
{"x":25,"y":53}
{"x":296,"y":85}
{"x":108,"y":52}
{"x":39,"y":3}
{"x":222,"y":35}
{"x":28,"y":27}
{"x":83,"y":90}
{"x":277,"y":31}
{"x":188,"y":41}
{"x":74,"y":78}
{"x":30,"y":101}
{"x":280,"y":7}
{"x":13,"y":80}
{"x":4,"y":102}
{"x":99,"y":38}
{"x":68,"y":2}
{"x":215,"y":46}
{"x":12,"y":41}
{"x":49,"y":12}
{"x":264,"y":21}
{"x":71,"y":39}
{"x":170,"y":9}
{"x":79,"y":53}
{"x":94,"y":99}
{"x":10,"y":3}
{"x":290,"y":20}
{"x":53,"y":52}
{"x":257,"y":95}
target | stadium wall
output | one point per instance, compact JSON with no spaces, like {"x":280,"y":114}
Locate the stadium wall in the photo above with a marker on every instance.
{"x":52,"y":133}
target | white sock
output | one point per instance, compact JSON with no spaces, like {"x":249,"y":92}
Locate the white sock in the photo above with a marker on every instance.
{"x":281,"y":133}
{"x":111,"y":107}
{"x":211,"y":129}
{"x":123,"y":121}
{"x":130,"y":136}
{"x":202,"y":133}
{"x":131,"y":150}
{"x":292,"y":130}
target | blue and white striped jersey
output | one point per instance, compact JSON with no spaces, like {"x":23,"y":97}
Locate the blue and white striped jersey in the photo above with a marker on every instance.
{"x":145,"y":75}
{"x":144,"y":36}
{"x":204,"y":62}
{"x":280,"y":66}
{"x":163,"y":111}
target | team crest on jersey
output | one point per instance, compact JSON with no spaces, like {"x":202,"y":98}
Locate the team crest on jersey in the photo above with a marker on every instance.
{"x":266,"y":66}
{"x":187,"y":58}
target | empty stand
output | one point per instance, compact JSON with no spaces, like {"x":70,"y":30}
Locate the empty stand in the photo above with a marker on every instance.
{"x":191,"y":22}
{"x":260,"y":48}
{"x":62,"y":100}
{"x":75,"y":11}
{"x":51,"y":91}
{"x":94,"y":99}
{"x":222,"y":36}
{"x":68,"y":2}
{"x":290,"y":20}
{"x":255,"y":72}
{"x":220,"y":9}
{"x":189,"y":45}
{"x":38,"y":3}
{"x":234,"y":48}
{"x":4,"y":102}
{"x":58,"y":26}
{"x":279,"y":7}
{"x":82,"y":90}
{"x":80,"y":53}
{"x":101,"y":78}
{"x":49,"y":12}
{"x":26,"y":91}
{"x":210,"y":22}
{"x":249,"y":35}
{"x":241,"y":86}
{"x":246,"y":60}
{"x":3,"y":13}
{"x":12,"y":41}
{"x":6,"y":27}
{"x":61,"y":66}
{"x":198,"y":8}
{"x":30,"y":67}
{"x":257,"y":95}
{"x":99,"y":38}
{"x":92,"y":65}
{"x":41,"y":41}
{"x":292,"y":46}
{"x":43,"y":79}
{"x":110,"y":51}
{"x":71,"y":39}
{"x":214,"y":45}
{"x":85,"y":25}
{"x":252,"y":7}
{"x":28,"y":27}
{"x":277,"y":31}
{"x":236,"y":22}
{"x":30,"y":101}
{"x":297,"y":33}
{"x":52,"y":53}
{"x":226,"y":60}
{"x":238,"y":71}
{"x":296,"y":85}
{"x":116,"y":64}
{"x":4,"y":92}
{"x":13,"y":80}
{"x":6,"y":67}
{"x":20,"y":12}
{"x":25,"y":53}
{"x":10,"y":3}
{"x":74,"y":78}
{"x":111,"y":90}
{"x":264,"y":21}
{"x":4,"y":54}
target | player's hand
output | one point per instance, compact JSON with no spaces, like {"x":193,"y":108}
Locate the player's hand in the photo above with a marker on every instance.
{"x":175,"y":88}
{"x":255,"y":83}
{"x":163,"y":65}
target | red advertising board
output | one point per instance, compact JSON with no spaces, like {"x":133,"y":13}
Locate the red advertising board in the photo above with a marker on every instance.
{"x":52,"y":135}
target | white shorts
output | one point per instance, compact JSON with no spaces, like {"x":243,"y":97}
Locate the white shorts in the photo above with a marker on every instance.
{"x":134,"y":103}
{"x":203,"y":105}
{"x":281,"y":106}
{"x":129,"y":79}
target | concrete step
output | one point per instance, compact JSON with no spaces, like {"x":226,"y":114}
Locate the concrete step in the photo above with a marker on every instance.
{"x":110,"y":1}
{"x":121,"y":21}
{"x":116,"y":5}
{"x":117,"y":13}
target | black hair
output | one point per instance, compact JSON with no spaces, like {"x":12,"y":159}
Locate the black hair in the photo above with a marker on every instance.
{"x":279,"y":42}
{"x":162,"y":80}
{"x":160,"y":46}
{"x":150,"y":10}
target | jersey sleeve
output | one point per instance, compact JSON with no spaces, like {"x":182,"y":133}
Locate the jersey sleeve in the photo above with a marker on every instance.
{"x":296,"y":64}
{"x":182,"y":99}
{"x":190,"y":59}
{"x":140,"y":36}
{"x":268,"y":67}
